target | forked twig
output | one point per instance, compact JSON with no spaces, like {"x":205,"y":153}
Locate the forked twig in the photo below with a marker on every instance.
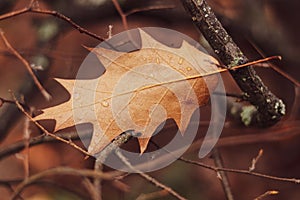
{"x":121,"y":13}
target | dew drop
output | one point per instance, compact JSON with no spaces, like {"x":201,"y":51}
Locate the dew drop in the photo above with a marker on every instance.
{"x":105,"y":103}
{"x":180,"y":61}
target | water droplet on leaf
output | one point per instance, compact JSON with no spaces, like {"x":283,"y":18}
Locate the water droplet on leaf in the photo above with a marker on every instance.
{"x":180,"y":61}
{"x":105,"y":103}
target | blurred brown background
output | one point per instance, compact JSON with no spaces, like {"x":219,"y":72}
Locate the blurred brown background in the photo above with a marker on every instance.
{"x":270,"y":25}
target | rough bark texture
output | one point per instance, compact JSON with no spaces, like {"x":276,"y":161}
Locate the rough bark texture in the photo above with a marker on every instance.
{"x":270,"y":109}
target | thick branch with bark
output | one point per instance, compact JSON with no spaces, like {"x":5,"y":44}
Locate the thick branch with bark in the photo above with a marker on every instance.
{"x":270,"y":108}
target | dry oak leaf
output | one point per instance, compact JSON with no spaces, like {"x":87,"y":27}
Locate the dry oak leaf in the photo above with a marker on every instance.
{"x":138,"y":91}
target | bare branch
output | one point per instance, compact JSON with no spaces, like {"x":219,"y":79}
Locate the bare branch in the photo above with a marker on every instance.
{"x":270,"y":109}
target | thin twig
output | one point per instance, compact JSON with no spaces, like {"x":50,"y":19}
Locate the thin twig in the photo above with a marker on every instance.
{"x":124,"y":22}
{"x":136,"y":10}
{"x":255,"y":160}
{"x":47,"y":132}
{"x":121,"y":13}
{"x":268,"y":193}
{"x":222,"y":174}
{"x":218,"y":160}
{"x":27,"y":65}
{"x":296,"y":104}
{"x":32,"y":9}
{"x":275,"y":68}
{"x":217,"y":169}
{"x":42,"y":139}
{"x":186,"y":78}
{"x":241,"y":171}
{"x":3,"y":101}
{"x":147,"y":177}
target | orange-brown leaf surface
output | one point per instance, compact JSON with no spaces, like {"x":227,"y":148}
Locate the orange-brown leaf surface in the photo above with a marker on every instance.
{"x":138,"y":91}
